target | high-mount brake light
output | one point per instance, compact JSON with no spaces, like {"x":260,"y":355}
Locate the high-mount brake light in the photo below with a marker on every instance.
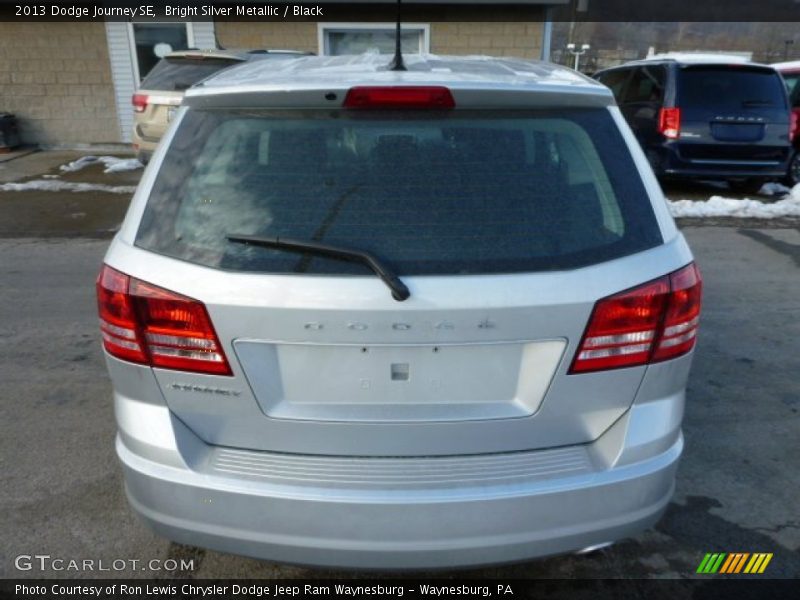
{"x":652,"y":322}
{"x":669,"y":122}
{"x":139,"y":102}
{"x":146,"y":324}
{"x":399,"y":97}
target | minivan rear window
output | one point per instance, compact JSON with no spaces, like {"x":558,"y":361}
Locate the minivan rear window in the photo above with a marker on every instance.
{"x":429,"y":192}
{"x":178,"y":74}
{"x":732,"y":88}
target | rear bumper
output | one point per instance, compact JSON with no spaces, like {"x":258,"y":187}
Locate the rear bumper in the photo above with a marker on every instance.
{"x":671,"y":162}
{"x":534,"y":506}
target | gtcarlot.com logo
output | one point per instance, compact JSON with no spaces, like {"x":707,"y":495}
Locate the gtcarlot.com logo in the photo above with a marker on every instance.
{"x":46,"y":562}
{"x":731,"y":563}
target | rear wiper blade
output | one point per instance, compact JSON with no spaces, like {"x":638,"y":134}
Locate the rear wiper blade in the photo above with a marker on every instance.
{"x":757,"y":102}
{"x":399,"y":290}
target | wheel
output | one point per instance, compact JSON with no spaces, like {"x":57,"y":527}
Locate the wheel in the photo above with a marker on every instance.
{"x":793,"y":172}
{"x":746,"y":186}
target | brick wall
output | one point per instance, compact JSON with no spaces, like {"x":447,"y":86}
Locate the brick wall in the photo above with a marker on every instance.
{"x":56,"y":78}
{"x":522,"y":39}
{"x":277,"y":35}
{"x":497,"y":38}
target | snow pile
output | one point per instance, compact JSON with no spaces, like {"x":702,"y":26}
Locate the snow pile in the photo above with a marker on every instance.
{"x":112,"y":164}
{"x":50,"y":185}
{"x":717,"y":206}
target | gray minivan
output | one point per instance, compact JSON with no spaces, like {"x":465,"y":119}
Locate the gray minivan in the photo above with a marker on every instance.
{"x":367,"y":318}
{"x":706,"y":117}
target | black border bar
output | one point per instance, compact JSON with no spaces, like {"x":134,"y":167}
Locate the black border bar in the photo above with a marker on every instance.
{"x":414,"y":10}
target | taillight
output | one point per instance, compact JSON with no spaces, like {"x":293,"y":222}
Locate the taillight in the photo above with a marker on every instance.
{"x":669,"y":123}
{"x":653,"y":322}
{"x":679,"y":331}
{"x":399,"y":97}
{"x":139,"y":102}
{"x":118,"y":326}
{"x":146,"y":324}
{"x":793,"y":122}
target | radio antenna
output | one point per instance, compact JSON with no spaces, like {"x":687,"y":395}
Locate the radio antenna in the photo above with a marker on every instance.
{"x":397,"y":63}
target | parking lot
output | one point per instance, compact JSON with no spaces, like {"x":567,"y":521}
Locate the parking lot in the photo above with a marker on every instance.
{"x":61,"y":487}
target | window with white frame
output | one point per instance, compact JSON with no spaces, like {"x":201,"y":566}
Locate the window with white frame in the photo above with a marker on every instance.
{"x":357,"y":38}
{"x":150,"y":41}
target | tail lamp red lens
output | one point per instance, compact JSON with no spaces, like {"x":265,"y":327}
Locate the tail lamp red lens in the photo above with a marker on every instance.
{"x":399,"y":97}
{"x":793,"y":123}
{"x":139,"y":102}
{"x":653,"y":322}
{"x":669,"y":123}
{"x":149,"y":325}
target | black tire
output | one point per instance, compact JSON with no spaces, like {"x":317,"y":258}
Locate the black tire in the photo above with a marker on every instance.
{"x":746,"y":186}
{"x":793,"y":172}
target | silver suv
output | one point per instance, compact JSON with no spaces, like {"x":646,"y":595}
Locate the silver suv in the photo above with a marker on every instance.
{"x":366,"y":318}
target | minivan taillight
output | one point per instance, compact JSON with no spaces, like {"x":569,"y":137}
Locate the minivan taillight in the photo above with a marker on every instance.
{"x":399,"y":97}
{"x":669,"y":123}
{"x":146,"y":324}
{"x":139,"y":102}
{"x":652,"y":322}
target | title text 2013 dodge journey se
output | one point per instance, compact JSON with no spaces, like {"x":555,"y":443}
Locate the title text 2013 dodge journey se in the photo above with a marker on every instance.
{"x":368,"y":318}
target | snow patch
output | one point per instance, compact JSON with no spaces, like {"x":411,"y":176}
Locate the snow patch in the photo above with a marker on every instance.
{"x":112,"y":164}
{"x":718,"y":206}
{"x":774,"y":189}
{"x":50,"y":185}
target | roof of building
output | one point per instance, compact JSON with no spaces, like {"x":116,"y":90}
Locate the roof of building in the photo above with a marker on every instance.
{"x":474,"y":72}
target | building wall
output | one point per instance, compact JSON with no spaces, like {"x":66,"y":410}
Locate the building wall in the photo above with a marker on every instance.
{"x":275,"y":35}
{"x":523,"y":39}
{"x":55,"y":77}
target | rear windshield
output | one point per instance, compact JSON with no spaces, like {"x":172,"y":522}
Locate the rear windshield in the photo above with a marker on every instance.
{"x":455,"y":192}
{"x":177,"y":74}
{"x":730,"y":88}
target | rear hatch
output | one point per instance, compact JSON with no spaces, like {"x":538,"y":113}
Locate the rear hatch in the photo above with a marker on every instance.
{"x":162,"y":90}
{"x":506,"y":226}
{"x":732,"y":113}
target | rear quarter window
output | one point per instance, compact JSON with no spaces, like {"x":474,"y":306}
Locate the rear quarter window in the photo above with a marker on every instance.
{"x":791,"y":80}
{"x":647,"y":85}
{"x":456,"y":192}
{"x":615,"y":80}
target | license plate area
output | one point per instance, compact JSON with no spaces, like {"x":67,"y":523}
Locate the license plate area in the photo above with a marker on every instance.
{"x":737,"y":132}
{"x":392,"y":383}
